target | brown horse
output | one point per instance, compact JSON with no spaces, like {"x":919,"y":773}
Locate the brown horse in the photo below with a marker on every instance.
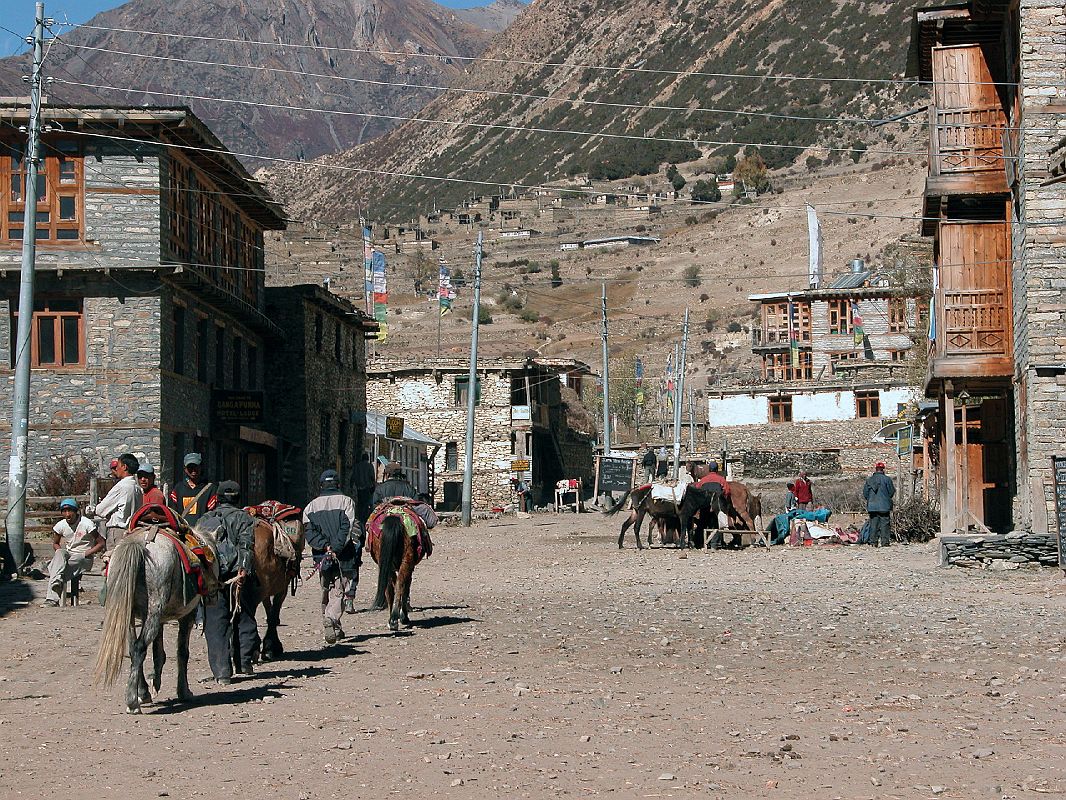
{"x":275,"y":573}
{"x":397,"y":553}
{"x":696,"y":504}
{"x":741,"y":506}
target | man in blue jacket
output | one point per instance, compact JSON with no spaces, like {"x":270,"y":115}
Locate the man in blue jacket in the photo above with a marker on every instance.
{"x":878,"y":494}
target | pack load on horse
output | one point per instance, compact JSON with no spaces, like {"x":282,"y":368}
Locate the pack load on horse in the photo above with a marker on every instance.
{"x":740,"y":504}
{"x":279,"y":545}
{"x":671,"y":506}
{"x":397,"y":535}
{"x":157,"y":573}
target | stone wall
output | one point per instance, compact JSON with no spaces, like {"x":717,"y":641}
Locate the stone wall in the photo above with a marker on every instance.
{"x":766,"y":464}
{"x":874,"y":313}
{"x":109,"y":406}
{"x":428,"y":403}
{"x":1039,"y":286}
{"x":999,"y":552}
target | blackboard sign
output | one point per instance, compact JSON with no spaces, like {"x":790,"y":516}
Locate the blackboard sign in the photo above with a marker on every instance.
{"x":1058,"y":466}
{"x":614,"y":474}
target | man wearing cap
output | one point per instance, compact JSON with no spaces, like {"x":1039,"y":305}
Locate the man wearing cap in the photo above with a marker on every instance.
{"x":118,"y":505}
{"x":878,"y":493}
{"x":193,"y":495}
{"x":335,"y":535}
{"x":234,"y":532}
{"x":151,"y":494}
{"x":75,"y":540}
{"x":394,"y":485}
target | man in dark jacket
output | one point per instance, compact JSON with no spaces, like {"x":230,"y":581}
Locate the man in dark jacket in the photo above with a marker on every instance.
{"x":364,"y":480}
{"x":394,"y":485}
{"x":335,"y":535}
{"x":649,"y":462}
{"x":878,"y":493}
{"x":234,"y":532}
{"x":193,"y":495}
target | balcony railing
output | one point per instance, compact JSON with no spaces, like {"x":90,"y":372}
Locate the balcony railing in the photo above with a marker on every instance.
{"x":974,"y":322}
{"x":966,"y":140}
{"x":777,"y":337}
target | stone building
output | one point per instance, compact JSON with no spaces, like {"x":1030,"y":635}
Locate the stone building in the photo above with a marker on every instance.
{"x":149,"y":333}
{"x":318,"y":400}
{"x":996,"y":207}
{"x":821,"y":407}
{"x":520,"y":416}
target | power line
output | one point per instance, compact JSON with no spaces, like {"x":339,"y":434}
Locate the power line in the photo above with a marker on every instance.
{"x":494,"y":126}
{"x":551,"y":64}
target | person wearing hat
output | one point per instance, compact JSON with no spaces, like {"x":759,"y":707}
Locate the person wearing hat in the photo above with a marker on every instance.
{"x":878,"y":492}
{"x":234,"y":532}
{"x":394,"y":485}
{"x":75,"y":540}
{"x":116,"y":509}
{"x":193,"y":495}
{"x":335,"y":535}
{"x":152,"y":495}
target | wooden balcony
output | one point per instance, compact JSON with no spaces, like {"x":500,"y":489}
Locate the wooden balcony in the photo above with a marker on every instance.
{"x":973,"y":304}
{"x":966,"y":151}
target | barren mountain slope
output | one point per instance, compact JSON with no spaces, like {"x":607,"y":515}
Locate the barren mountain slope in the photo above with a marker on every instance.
{"x":403,"y":27}
{"x":664,"y":42}
{"x":495,"y":16}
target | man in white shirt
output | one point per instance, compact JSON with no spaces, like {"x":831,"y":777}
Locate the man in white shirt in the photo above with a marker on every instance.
{"x":125,"y":497}
{"x":76,"y":541}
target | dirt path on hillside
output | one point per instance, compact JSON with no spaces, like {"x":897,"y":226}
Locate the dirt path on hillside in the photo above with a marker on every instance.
{"x":546,"y":663}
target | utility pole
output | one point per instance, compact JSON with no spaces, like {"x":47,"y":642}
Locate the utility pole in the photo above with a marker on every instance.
{"x":691,"y":423}
{"x":606,"y":380}
{"x":471,"y":390}
{"x":20,"y":405}
{"x":679,"y":398}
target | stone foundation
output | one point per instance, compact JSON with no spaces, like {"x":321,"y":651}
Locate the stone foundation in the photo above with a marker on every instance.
{"x":994,"y":551}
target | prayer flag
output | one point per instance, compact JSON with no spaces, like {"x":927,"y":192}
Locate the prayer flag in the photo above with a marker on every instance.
{"x":814,"y":235}
{"x":444,"y":288}
{"x":368,"y":272}
{"x":381,"y":294}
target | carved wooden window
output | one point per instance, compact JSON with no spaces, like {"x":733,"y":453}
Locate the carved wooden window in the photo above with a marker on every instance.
{"x":781,"y":409}
{"x":776,"y":322}
{"x":897,"y":315}
{"x":839,"y":316}
{"x":778,"y":367}
{"x":60,"y":194}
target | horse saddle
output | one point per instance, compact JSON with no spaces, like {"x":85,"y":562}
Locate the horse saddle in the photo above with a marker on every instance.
{"x":414,"y":526}
{"x":196,"y":555}
{"x":285,"y":521}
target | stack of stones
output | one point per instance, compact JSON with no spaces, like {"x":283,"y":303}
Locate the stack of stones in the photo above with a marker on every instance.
{"x":998,"y":552}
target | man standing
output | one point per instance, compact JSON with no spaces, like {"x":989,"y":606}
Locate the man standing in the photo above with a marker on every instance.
{"x":364,"y":480}
{"x":335,"y":534}
{"x":395,"y":485}
{"x":152,"y":494}
{"x":803,"y":491}
{"x":878,"y":492}
{"x":663,"y":465}
{"x":76,"y":541}
{"x":649,"y":462}
{"x":234,"y":531}
{"x":193,"y":495}
{"x":118,"y":505}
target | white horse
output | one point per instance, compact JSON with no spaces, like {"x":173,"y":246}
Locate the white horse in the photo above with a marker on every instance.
{"x":146,"y":583}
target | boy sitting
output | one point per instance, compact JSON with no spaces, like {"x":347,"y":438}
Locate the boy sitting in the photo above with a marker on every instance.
{"x":76,"y":541}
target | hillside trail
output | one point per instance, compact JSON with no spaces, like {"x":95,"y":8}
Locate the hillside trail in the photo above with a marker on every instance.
{"x":544,"y":662}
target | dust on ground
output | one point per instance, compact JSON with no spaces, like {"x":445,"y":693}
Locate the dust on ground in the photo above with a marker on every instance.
{"x":544,"y":662}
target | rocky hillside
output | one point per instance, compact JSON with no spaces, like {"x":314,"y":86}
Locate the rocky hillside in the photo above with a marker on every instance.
{"x":496,"y":16}
{"x":407,"y":27}
{"x":664,"y":42}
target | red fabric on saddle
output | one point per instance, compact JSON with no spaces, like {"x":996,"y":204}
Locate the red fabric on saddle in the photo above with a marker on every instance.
{"x":274,"y":510}
{"x":155,"y":509}
{"x":714,"y":477}
{"x":398,"y":507}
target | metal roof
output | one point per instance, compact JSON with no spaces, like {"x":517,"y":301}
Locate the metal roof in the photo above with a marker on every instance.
{"x":375,"y":426}
{"x":850,"y":280}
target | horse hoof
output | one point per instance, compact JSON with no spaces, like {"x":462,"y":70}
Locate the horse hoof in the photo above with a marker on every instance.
{"x":184,"y":695}
{"x":133,"y":709}
{"x":394,"y":626}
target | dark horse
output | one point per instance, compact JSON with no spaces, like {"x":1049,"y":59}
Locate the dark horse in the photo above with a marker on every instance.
{"x":397,"y":553}
{"x":741,"y":506}
{"x":704,"y":503}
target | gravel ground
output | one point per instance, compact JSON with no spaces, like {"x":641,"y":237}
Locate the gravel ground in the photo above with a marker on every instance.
{"x":544,"y":663}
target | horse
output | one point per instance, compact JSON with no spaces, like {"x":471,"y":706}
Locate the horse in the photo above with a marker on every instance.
{"x":275,"y":573}
{"x":741,"y":506}
{"x":694,"y":501}
{"x":146,"y":581}
{"x":397,"y":539}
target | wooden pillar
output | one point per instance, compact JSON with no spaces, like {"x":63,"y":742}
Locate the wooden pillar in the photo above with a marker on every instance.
{"x":949,"y":511}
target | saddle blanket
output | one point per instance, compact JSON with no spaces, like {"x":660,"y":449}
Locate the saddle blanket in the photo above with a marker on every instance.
{"x":195,"y":555}
{"x":283,"y":543}
{"x":285,"y":520}
{"x":413,"y":524}
{"x":671,"y":494}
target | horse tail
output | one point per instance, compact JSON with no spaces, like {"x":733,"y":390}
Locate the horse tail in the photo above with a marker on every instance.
{"x":125,"y":573}
{"x":619,"y":505}
{"x":637,"y":493}
{"x":390,"y":555}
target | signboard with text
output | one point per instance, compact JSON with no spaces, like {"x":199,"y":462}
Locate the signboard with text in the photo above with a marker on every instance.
{"x":394,"y":428}
{"x":1057,"y":524}
{"x":520,"y":465}
{"x":232,"y":407}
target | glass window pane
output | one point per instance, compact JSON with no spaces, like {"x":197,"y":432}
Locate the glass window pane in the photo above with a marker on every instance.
{"x":71,"y":341}
{"x":67,"y":207}
{"x":15,"y":216}
{"x":14,"y":233}
{"x":44,"y":216}
{"x":67,"y":173}
{"x":16,"y":187}
{"x":44,"y":233}
{"x":67,"y":234}
{"x":46,"y":340}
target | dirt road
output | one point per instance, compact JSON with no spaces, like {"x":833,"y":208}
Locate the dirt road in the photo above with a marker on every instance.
{"x":545,"y":663}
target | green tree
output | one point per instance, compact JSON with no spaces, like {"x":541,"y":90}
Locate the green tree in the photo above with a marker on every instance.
{"x":557,"y":279}
{"x":706,"y":191}
{"x":623,"y":391}
{"x":677,"y":180}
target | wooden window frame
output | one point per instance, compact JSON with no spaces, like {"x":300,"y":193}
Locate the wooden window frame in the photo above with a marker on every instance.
{"x":54,"y":154}
{"x":838,"y":313}
{"x":781,"y":409}
{"x":778,"y":366}
{"x":451,"y":456}
{"x":203,"y":338}
{"x":868,"y":404}
{"x":775,"y":321}
{"x":836,"y":359}
{"x":179,"y":327}
{"x":57,"y":317}
{"x":462,"y":386}
{"x":897,"y":315}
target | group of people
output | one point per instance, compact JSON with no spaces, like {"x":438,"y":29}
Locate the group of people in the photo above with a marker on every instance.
{"x":878,"y":493}
{"x":333,"y":529}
